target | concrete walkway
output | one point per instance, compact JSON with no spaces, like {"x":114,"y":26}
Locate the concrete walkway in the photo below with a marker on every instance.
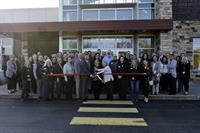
{"x":194,"y":94}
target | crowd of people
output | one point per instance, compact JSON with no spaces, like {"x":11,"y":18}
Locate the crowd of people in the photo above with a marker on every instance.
{"x":98,"y":72}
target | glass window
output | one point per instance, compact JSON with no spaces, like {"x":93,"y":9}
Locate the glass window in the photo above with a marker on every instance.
{"x":89,"y":43}
{"x":7,"y":45}
{"x":91,"y":1}
{"x":90,"y":15}
{"x":109,"y":1}
{"x":107,"y":14}
{"x":70,"y":15}
{"x":146,"y":1}
{"x":70,"y":43}
{"x":69,"y":8}
{"x":146,"y":45}
{"x":148,"y":6}
{"x":70,"y":2}
{"x":196,"y":51}
{"x":146,"y":14}
{"x":107,"y":42}
{"x":124,"y":42}
{"x":145,"y":42}
{"x":124,"y":14}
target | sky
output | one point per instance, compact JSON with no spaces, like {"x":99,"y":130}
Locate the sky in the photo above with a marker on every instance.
{"x":16,"y":4}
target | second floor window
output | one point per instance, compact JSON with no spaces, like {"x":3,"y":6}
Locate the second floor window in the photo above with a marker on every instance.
{"x":69,"y":2}
{"x":108,"y":14}
{"x":146,"y":9}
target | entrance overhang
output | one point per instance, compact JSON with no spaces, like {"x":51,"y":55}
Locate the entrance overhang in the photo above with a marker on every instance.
{"x":84,"y":26}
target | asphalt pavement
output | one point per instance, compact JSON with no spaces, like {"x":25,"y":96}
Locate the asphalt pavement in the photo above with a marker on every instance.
{"x":36,"y":116}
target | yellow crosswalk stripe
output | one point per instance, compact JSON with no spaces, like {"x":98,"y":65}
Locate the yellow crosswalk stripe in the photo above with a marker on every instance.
{"x":100,"y":121}
{"x":108,"y":102}
{"x":108,"y":110}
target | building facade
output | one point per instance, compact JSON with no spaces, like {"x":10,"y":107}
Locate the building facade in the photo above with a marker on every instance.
{"x":132,"y":39}
{"x":118,"y":25}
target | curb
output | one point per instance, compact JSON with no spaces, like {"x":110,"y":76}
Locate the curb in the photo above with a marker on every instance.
{"x":141,"y":97}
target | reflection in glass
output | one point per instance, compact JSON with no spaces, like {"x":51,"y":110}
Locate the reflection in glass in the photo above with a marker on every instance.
{"x":146,"y":6}
{"x":107,"y":43}
{"x":91,"y":1}
{"x":197,"y":62}
{"x":146,"y":42}
{"x":124,"y":42}
{"x":70,"y":2}
{"x":70,"y":15}
{"x":70,"y":43}
{"x":90,"y":15}
{"x":124,"y":14}
{"x":145,"y":14}
{"x":147,"y":1}
{"x":90,"y":43}
{"x":196,"y":51}
{"x":107,"y":15}
{"x":7,"y":44}
{"x":109,"y":1}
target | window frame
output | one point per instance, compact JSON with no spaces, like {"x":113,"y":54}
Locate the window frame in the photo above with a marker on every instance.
{"x":70,"y":11}
{"x":115,"y":50}
{"x":145,"y":36}
{"x":152,"y":9}
{"x":70,"y":4}
{"x":115,"y":10}
{"x":70,"y":49}
{"x":195,"y":53}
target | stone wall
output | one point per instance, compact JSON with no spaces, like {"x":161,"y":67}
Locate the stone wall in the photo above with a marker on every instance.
{"x":183,"y":33}
{"x":164,"y":11}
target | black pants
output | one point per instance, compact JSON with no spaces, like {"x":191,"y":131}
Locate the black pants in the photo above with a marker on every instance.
{"x":59,"y":87}
{"x":97,"y":88}
{"x":163,"y":85}
{"x":84,"y":87}
{"x":45,"y":86}
{"x":26,"y":85}
{"x":144,"y":86}
{"x":122,"y":86}
{"x":109,"y":90}
{"x":186,"y":84}
{"x":34,"y":85}
{"x":11,"y":83}
{"x":68,"y":88}
{"x":172,"y":84}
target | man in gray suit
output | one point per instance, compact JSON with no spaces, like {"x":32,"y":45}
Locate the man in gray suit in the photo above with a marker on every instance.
{"x":84,"y":79}
{"x":10,"y":74}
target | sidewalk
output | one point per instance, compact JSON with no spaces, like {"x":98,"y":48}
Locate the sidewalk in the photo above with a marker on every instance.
{"x":194,"y":94}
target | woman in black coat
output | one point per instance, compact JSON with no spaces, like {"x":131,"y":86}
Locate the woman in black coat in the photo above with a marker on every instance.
{"x":59,"y":81}
{"x":145,"y":80}
{"x":122,"y":80}
{"x":96,"y":80}
{"x":185,"y":73}
{"x":27,"y":77}
{"x":47,"y":81}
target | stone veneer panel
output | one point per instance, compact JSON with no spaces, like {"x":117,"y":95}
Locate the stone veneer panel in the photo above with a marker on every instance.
{"x":163,"y":9}
{"x":183,"y":33}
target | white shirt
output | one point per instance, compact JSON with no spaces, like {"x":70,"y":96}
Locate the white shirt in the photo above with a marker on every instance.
{"x":107,"y":74}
